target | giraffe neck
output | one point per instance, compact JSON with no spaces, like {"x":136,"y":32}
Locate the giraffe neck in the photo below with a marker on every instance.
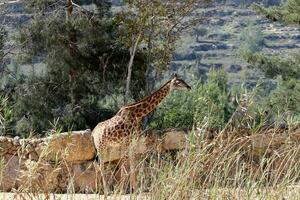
{"x":143,"y":107}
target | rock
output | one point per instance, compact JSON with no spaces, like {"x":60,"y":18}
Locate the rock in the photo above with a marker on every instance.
{"x":217,"y":22}
{"x":210,"y":46}
{"x":73,"y":146}
{"x":175,"y":66}
{"x":249,"y":2}
{"x":239,"y":13}
{"x":220,"y":36}
{"x":216,"y":65}
{"x":14,"y":7}
{"x":38,"y":176}
{"x":173,"y":139}
{"x":16,"y":141}
{"x":273,"y":37}
{"x":5,"y":145}
{"x":115,"y":151}
{"x":205,"y":47}
{"x":168,"y":140}
{"x":188,"y":56}
{"x":295,"y":136}
{"x":233,"y":68}
{"x":282,"y":46}
{"x":261,"y":143}
{"x":85,"y":177}
{"x":10,"y":172}
{"x":296,"y":37}
{"x":222,"y":46}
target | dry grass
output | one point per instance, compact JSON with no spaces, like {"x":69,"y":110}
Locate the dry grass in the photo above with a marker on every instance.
{"x":229,"y":166}
{"x":232,"y":165}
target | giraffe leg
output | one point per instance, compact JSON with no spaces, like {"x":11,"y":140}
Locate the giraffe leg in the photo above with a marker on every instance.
{"x":123,"y":174}
{"x":132,"y":165}
{"x":104,"y":182}
{"x":132,"y":176}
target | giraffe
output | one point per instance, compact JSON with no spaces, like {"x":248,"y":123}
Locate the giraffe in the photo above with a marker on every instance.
{"x":120,"y":129}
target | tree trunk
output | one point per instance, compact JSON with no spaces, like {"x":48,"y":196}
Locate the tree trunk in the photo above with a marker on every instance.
{"x":69,"y":9}
{"x":149,"y":82}
{"x":72,"y":49}
{"x":129,"y":68}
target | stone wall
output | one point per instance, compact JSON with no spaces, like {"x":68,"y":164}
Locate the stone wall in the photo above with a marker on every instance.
{"x":66,"y":161}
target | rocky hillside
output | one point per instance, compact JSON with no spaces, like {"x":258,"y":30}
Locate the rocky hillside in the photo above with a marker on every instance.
{"x":213,"y":44}
{"x":217,"y":42}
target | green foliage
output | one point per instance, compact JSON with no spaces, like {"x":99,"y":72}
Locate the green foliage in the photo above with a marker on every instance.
{"x":146,"y":20}
{"x":158,"y":25}
{"x":84,"y":63}
{"x":287,"y":66}
{"x":207,"y":104}
{"x":288,"y":13}
{"x":3,"y":35}
{"x":286,"y":98}
{"x":177,"y":111}
{"x":212,"y":101}
{"x":6,"y":115}
{"x":251,"y":40}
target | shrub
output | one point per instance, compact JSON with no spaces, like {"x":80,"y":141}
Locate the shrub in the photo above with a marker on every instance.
{"x":207,"y":103}
{"x":212,"y":106}
{"x":251,"y":40}
{"x":177,"y":111}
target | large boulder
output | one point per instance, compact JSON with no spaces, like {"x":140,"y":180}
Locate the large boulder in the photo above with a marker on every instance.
{"x":71,"y":146}
{"x":155,"y":141}
{"x":9,"y":172}
{"x":172,"y":139}
{"x":38,"y":176}
{"x":86,"y":177}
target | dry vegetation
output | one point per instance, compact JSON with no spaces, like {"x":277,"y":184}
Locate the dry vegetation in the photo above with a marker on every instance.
{"x":239,"y":164}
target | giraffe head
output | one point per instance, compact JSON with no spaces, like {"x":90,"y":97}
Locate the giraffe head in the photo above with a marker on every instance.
{"x":178,"y":84}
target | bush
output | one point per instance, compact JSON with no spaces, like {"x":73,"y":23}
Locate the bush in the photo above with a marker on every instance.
{"x":207,"y":103}
{"x":285,"y":101}
{"x":83,"y":63}
{"x":6,"y":115}
{"x":212,"y":101}
{"x":251,"y":40}
{"x":177,"y":111}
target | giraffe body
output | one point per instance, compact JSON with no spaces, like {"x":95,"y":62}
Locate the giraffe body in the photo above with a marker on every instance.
{"x":126,"y":124}
{"x":113,"y":132}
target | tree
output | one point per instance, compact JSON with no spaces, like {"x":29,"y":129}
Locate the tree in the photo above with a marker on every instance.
{"x":2,"y":41}
{"x":284,"y":68}
{"x":154,"y":26}
{"x":288,"y":13}
{"x":82,"y":75}
{"x":212,"y":101}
